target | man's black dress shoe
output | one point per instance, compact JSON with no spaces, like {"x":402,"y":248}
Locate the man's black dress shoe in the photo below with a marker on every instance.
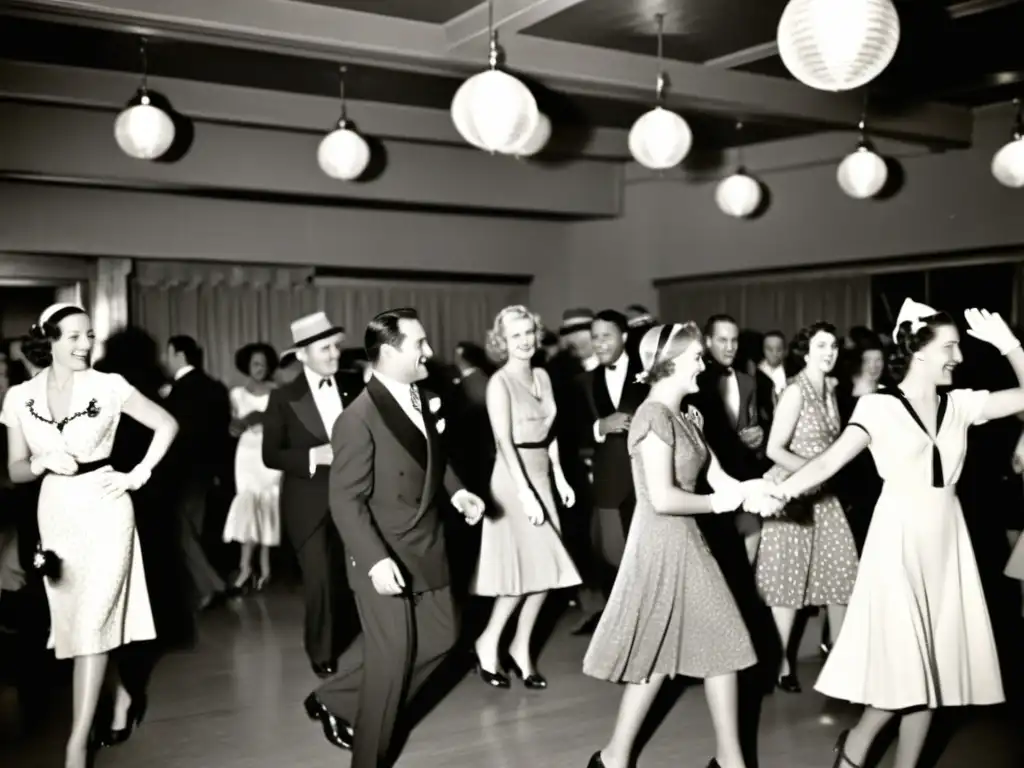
{"x":336,"y":730}
{"x":325,"y":670}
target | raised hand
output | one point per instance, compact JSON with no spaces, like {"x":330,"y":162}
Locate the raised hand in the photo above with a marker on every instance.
{"x":991,"y":328}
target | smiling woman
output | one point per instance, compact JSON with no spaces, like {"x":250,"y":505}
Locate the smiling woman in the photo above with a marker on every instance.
{"x":61,"y":426}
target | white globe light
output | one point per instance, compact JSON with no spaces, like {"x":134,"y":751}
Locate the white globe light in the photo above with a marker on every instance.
{"x":494,"y":111}
{"x":838,"y":45}
{"x":862,"y":174}
{"x":1008,"y":164}
{"x":660,"y":139}
{"x":143,"y":131}
{"x":343,"y":154}
{"x":739,"y":195}
{"x":536,"y":141}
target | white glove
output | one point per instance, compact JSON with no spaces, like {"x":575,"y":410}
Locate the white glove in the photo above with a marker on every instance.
{"x":990,"y":327}
{"x":727,"y":499}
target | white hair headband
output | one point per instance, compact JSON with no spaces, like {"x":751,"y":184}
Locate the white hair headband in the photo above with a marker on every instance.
{"x":668,"y":332}
{"x":63,"y":308}
{"x":912,"y":312}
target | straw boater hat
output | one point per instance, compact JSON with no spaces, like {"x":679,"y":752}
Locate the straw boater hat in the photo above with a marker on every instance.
{"x":575,"y":320}
{"x":312,"y":328}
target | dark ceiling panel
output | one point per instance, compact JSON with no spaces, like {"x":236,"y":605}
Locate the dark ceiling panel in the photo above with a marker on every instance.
{"x":433,"y":11}
{"x":695,"y":30}
{"x":46,"y":42}
{"x":49,"y":43}
{"x":971,"y":60}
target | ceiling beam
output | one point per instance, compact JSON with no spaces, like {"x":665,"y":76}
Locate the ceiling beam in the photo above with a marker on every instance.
{"x":510,"y":18}
{"x":257,"y":107}
{"x":574,"y":69}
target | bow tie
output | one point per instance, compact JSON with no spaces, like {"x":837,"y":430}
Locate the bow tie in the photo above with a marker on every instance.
{"x":326,"y":381}
{"x":612,"y":367}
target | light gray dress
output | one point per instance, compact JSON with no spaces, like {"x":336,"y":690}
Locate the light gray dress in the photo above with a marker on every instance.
{"x":670,"y":611}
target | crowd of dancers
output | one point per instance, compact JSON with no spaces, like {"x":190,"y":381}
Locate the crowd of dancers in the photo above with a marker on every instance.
{"x":639,"y":468}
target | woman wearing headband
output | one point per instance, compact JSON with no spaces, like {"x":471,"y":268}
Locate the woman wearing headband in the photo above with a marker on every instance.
{"x":917,"y":634}
{"x":670,"y":612}
{"x":60,"y":427}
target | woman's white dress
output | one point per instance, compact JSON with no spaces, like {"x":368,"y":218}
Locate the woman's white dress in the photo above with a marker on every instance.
{"x":254,"y":516}
{"x":917,"y":630}
{"x":100,"y":601}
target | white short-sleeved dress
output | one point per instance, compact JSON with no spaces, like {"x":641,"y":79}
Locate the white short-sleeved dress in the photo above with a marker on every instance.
{"x":100,"y":601}
{"x":254,"y":516}
{"x":917,"y":630}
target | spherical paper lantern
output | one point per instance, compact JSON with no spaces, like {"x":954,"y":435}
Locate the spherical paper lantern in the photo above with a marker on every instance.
{"x":862,"y":174}
{"x":343,"y":154}
{"x":536,"y":141}
{"x":660,"y":139}
{"x":1008,"y":163}
{"x":838,"y":45}
{"x":494,"y":111}
{"x":142,"y":130}
{"x":739,"y":195}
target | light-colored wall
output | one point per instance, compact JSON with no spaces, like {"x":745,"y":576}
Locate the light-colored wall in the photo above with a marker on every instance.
{"x":670,"y":225}
{"x":96,"y":222}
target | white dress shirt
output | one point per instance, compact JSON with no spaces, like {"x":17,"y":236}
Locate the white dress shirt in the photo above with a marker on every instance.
{"x":403,"y":394}
{"x":183,"y":370}
{"x":615,"y":381}
{"x":328,"y":404}
{"x":729,"y":387}
{"x":777,"y":374}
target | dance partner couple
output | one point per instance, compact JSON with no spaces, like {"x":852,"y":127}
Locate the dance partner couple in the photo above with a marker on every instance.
{"x":896,"y":654}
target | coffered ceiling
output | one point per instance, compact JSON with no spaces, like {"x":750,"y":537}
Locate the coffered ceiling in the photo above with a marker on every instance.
{"x":591,"y":62}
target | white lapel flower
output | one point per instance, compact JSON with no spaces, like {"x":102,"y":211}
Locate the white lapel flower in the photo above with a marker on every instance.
{"x":440,"y":425}
{"x":434,"y":404}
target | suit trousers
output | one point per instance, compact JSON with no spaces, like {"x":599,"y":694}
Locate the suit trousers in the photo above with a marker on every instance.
{"x":191,"y":509}
{"x":321,"y":561}
{"x":405,"y":639}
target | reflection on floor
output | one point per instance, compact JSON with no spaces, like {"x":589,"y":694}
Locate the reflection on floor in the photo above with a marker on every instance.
{"x":234,"y":702}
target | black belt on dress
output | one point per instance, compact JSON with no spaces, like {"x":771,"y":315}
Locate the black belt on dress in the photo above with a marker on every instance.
{"x":91,"y":466}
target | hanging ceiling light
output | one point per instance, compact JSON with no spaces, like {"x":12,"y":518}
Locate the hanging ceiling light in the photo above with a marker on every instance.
{"x":739,"y":194}
{"x":536,"y":141}
{"x":862,"y":173}
{"x":660,"y":139}
{"x":493,"y":110}
{"x":143,"y":130}
{"x":1008,"y":162}
{"x":838,"y":45}
{"x":343,"y":154}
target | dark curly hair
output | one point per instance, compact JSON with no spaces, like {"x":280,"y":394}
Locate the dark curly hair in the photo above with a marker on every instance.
{"x":243,"y":357}
{"x":800,"y":345}
{"x":853,"y":357}
{"x":909,"y":341}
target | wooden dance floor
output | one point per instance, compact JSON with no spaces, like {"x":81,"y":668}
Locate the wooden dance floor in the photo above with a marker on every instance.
{"x":235,"y":702}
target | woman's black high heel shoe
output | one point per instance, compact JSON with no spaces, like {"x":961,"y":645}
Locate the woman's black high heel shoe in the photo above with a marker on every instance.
{"x":840,"y":750}
{"x":535,"y":681}
{"x":240,"y":589}
{"x":136,"y":711}
{"x":493,"y":679}
{"x":789,"y":683}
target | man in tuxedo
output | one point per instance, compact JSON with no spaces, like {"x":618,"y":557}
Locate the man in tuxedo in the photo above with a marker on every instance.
{"x":611,"y":395}
{"x":728,"y":401}
{"x":296,"y":428}
{"x":770,"y":376}
{"x":390,"y":480}
{"x":199,"y":456}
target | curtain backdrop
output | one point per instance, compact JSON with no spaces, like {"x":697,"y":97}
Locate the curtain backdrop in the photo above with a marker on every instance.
{"x":776,"y":303}
{"x":224,"y":307}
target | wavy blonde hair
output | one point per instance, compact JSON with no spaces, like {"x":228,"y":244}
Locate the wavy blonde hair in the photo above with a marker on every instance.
{"x":497,"y":345}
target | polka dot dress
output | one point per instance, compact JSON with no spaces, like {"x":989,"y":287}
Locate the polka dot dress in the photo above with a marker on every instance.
{"x":809,"y":559}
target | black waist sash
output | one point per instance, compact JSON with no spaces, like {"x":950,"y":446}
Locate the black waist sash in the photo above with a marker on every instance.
{"x":91,"y":466}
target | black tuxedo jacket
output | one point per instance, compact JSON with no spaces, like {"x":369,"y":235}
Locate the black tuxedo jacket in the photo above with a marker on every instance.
{"x":613,"y":474}
{"x":202,"y":408}
{"x":388,"y":485}
{"x":291,"y":426}
{"x":736,"y":459}
{"x":765,"y":400}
